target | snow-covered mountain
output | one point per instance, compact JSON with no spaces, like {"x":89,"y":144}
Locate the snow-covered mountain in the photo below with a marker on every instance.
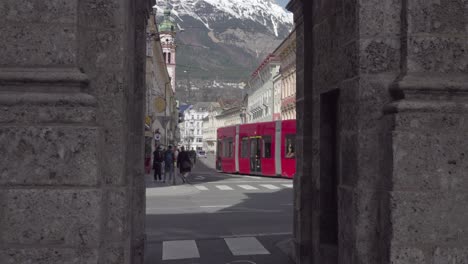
{"x":265,"y":12}
{"x":224,"y":40}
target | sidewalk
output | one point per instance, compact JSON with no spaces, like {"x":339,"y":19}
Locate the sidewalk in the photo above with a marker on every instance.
{"x":154,"y":188}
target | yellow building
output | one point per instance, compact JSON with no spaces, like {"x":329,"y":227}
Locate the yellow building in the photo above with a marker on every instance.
{"x":161,"y":108}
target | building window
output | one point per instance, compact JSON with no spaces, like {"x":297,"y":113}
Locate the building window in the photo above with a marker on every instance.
{"x":199,"y":140}
{"x":164,"y":54}
{"x":169,"y":57}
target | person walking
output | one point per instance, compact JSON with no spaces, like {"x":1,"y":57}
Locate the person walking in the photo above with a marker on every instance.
{"x":169,"y":165}
{"x":158,"y":158}
{"x":184,"y":164}
{"x":193,"y":156}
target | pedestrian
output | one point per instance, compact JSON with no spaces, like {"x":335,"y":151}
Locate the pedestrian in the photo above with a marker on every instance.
{"x":193,"y":156}
{"x":184,"y":164}
{"x":158,"y":158}
{"x":169,"y":165}
{"x":176,"y":152}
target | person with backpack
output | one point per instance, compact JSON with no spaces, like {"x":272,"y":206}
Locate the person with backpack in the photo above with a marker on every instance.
{"x":184,"y":164}
{"x":158,"y":158}
{"x":169,"y":164}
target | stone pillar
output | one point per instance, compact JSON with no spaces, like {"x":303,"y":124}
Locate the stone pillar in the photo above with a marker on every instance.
{"x":428,"y":220}
{"x":304,"y":190}
{"x":71,"y":122}
{"x":395,"y":72}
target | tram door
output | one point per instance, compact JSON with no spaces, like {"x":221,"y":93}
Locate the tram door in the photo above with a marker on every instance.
{"x":255,"y":154}
{"x":218,"y":155}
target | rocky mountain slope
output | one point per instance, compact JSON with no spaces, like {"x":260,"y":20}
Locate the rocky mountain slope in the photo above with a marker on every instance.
{"x":222,"y":41}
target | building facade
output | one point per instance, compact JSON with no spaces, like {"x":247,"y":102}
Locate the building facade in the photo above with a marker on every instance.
{"x":260,"y":101}
{"x":286,"y":52}
{"x":210,"y":126}
{"x":192,"y":126}
{"x":230,"y":117}
{"x":161,"y":121}
{"x":277,"y":90}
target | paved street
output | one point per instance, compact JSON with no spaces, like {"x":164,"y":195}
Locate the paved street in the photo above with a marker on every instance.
{"x":220,"y":218}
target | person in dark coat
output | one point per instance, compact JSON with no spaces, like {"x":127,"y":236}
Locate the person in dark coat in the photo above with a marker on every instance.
{"x":158,"y":158}
{"x":184,"y":164}
{"x":193,"y":156}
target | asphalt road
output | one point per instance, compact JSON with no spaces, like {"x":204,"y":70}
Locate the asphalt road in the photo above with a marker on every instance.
{"x":219,"y":218}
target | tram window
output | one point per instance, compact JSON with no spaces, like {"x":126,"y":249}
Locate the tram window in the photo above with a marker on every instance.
{"x":219,"y":148}
{"x":266,"y":147}
{"x":245,"y":148}
{"x":290,"y":146}
{"x":228,"y":147}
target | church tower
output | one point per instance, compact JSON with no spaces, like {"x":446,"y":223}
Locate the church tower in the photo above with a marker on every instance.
{"x":167,"y":34}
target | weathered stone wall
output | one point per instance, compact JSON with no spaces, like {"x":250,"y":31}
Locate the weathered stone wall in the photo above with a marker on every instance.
{"x":428,"y":194}
{"x":71,"y":100}
{"x":398,"y":70}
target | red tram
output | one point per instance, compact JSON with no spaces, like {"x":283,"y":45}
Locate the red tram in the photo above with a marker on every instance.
{"x":266,"y":149}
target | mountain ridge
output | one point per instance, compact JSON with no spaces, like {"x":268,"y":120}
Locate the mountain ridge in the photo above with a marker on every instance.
{"x":223,"y":40}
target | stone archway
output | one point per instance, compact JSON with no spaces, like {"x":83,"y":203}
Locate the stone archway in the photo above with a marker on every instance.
{"x":72,"y":87}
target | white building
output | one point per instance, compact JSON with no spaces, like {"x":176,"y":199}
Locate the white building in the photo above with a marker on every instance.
{"x":277,"y":88}
{"x":260,"y":102}
{"x":192,"y":128}
{"x":229,"y":117}
{"x":210,"y":126}
{"x":219,"y":118}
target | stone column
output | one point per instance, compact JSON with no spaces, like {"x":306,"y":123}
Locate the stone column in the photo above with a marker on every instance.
{"x":304,"y":190}
{"x":70,"y":100}
{"x":397,"y":72}
{"x":428,"y":220}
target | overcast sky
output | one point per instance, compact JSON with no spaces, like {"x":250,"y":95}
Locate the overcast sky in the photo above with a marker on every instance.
{"x":282,"y":3}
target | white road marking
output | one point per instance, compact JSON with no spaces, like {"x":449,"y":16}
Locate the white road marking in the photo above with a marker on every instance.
{"x":287,"y":185}
{"x":241,"y":246}
{"x":257,"y":235}
{"x":181,"y":249}
{"x":247,"y":187}
{"x":201,"y":187}
{"x":214,"y":206}
{"x":224,"y":187}
{"x":270,"y":186}
{"x":254,"y":177}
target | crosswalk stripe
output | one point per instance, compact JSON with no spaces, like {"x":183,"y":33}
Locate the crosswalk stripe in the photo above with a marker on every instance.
{"x":270,"y":186}
{"x":201,"y":187}
{"x":224,"y":187}
{"x":180,"y":249}
{"x":247,"y":187}
{"x":287,"y":185}
{"x":254,"y":177}
{"x":241,"y":246}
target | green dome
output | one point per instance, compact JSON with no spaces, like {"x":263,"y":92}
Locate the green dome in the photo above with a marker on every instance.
{"x":167,"y":25}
